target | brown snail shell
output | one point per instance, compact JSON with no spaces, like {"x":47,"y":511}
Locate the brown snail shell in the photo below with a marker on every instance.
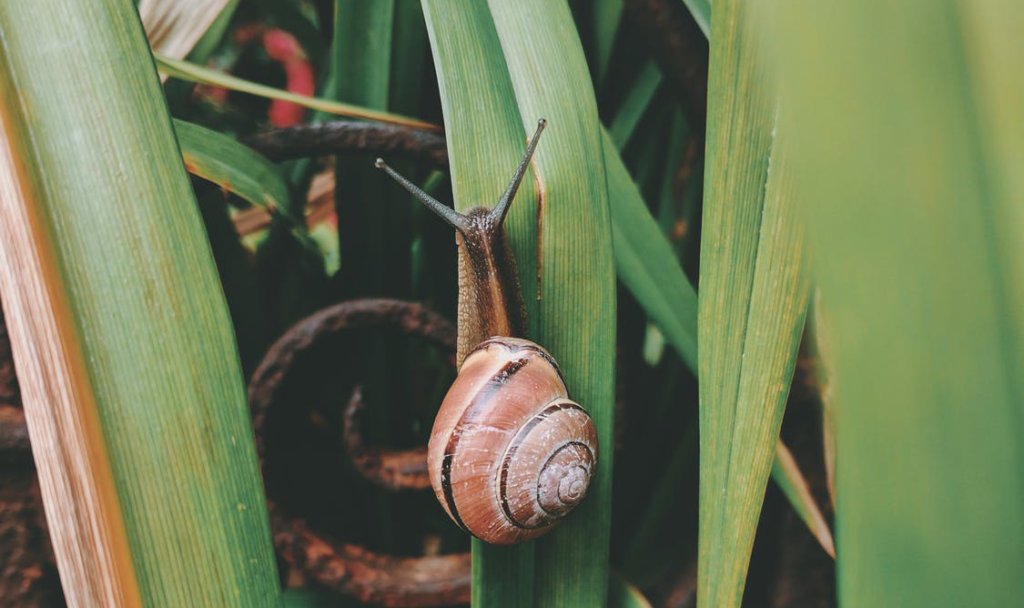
{"x":510,"y":454}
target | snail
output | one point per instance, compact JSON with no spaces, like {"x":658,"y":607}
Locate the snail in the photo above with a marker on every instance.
{"x":509,"y":454}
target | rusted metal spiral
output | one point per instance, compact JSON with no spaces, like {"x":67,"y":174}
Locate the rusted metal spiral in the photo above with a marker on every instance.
{"x":345,"y":567}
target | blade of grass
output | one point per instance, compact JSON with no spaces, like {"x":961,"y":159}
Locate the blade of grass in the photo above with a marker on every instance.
{"x":363,"y":52}
{"x":483,"y":148}
{"x":361,"y":57}
{"x":241,"y":171}
{"x":122,"y":339}
{"x":638,"y":272}
{"x":607,"y":16}
{"x":907,"y":148}
{"x":232,"y":166}
{"x":194,"y":73}
{"x":621,"y":594}
{"x":793,"y":484}
{"x":482,"y":123}
{"x":701,"y":11}
{"x":408,"y":58}
{"x":653,"y":276}
{"x":646,"y":264}
{"x":635,"y":104}
{"x":752,"y":304}
{"x":576,"y":271}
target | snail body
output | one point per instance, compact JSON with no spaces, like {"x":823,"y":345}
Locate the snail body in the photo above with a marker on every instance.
{"x":510,"y":454}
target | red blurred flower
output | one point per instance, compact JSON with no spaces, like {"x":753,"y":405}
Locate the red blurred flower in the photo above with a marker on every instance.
{"x":283,"y":48}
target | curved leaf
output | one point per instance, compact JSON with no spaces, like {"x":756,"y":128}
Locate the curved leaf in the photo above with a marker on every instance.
{"x":241,"y":171}
{"x":232,"y":166}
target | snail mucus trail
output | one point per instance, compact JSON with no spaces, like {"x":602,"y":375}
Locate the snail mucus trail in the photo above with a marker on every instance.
{"x":509,"y":454}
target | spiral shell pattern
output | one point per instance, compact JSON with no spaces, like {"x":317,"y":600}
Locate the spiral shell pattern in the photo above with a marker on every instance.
{"x":510,"y":454}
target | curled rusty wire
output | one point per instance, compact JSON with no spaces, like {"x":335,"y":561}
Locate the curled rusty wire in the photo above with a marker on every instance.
{"x":392,"y":469}
{"x":344,"y":567}
{"x":372,"y":577}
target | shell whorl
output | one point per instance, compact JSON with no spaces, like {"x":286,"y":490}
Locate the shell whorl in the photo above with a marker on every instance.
{"x":510,"y":454}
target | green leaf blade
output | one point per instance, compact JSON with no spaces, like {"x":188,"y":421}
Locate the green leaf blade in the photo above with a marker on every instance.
{"x":235,"y":168}
{"x":701,"y":11}
{"x":241,"y":171}
{"x":752,"y":304}
{"x":576,"y":272}
{"x":194,"y":73}
{"x":150,"y":334}
{"x":913,"y":212}
{"x":645,"y":262}
{"x":483,"y":149}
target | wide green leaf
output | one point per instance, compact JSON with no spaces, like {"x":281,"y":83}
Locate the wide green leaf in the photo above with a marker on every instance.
{"x":646,"y":264}
{"x":123,"y":341}
{"x":575,"y":270}
{"x":564,"y":258}
{"x":908,"y":139}
{"x":483,"y":149}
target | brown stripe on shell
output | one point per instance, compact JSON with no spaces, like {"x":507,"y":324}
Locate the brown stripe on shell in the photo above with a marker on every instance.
{"x":478,"y":404}
{"x":446,"y":485}
{"x":514,"y":446}
{"x":516,"y":345}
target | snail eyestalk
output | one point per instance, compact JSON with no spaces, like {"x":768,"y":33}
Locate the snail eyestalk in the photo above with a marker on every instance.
{"x":457,"y":220}
{"x":501,"y":209}
{"x":449,"y":215}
